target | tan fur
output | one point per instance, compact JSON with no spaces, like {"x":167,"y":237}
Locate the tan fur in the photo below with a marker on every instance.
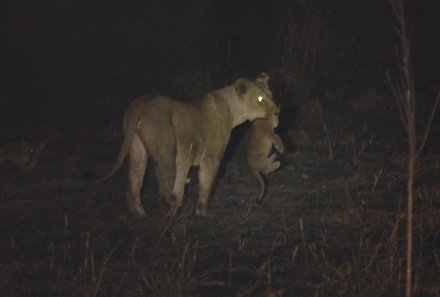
{"x":259,"y":145}
{"x":176,"y":136}
{"x":23,"y":155}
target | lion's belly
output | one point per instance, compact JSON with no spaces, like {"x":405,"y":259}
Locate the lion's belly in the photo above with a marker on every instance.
{"x":188,"y":152}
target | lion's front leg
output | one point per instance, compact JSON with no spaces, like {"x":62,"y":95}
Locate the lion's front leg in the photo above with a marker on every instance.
{"x":207,"y":174}
{"x":182,"y":169}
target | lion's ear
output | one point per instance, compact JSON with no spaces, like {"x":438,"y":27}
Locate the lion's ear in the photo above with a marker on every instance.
{"x":241,"y":86}
{"x":263,"y":79}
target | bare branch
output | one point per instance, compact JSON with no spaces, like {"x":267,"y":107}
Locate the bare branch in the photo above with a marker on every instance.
{"x":428,"y":127}
{"x":405,"y":95}
{"x":397,"y":94}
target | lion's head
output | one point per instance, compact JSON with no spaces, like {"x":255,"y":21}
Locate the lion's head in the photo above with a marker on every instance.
{"x":258,"y":96}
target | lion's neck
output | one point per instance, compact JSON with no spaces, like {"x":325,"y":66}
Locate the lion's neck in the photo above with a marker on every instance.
{"x":235,"y":109}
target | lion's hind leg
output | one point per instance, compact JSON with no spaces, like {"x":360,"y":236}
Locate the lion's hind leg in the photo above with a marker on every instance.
{"x":166,"y":174}
{"x":137,"y":160}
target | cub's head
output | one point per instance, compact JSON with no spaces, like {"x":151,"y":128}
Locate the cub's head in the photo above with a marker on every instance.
{"x":257,"y":97}
{"x":266,"y":124}
{"x":30,"y":153}
{"x":273,"y":119}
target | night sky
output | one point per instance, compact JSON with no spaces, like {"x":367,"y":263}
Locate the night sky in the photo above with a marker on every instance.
{"x":76,"y":56}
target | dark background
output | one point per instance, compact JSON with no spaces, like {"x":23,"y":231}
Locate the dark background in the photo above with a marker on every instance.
{"x":63,"y":61}
{"x":332,"y":221}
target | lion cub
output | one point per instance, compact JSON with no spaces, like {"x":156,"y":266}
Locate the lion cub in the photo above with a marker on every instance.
{"x":24,"y":155}
{"x":259,"y":145}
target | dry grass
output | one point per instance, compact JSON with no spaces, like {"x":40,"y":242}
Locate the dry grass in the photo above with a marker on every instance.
{"x":325,"y":228}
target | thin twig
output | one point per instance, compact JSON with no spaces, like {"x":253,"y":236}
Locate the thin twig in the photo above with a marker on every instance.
{"x":101,"y":271}
{"x":428,"y":127}
{"x":397,"y":94}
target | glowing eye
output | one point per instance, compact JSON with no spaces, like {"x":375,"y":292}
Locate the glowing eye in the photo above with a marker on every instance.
{"x":260,"y":98}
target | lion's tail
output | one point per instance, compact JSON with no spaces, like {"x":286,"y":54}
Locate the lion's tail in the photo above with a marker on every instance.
{"x":262,"y":184}
{"x":129,"y":134}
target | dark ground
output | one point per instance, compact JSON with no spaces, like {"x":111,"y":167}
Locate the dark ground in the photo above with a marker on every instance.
{"x":331,"y":224}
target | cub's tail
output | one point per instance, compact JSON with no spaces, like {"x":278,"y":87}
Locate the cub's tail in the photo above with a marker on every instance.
{"x":261,"y":183}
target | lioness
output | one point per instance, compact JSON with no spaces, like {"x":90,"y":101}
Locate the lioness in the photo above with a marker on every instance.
{"x":24,"y":155}
{"x":178,"y":135}
{"x":259,"y":145}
